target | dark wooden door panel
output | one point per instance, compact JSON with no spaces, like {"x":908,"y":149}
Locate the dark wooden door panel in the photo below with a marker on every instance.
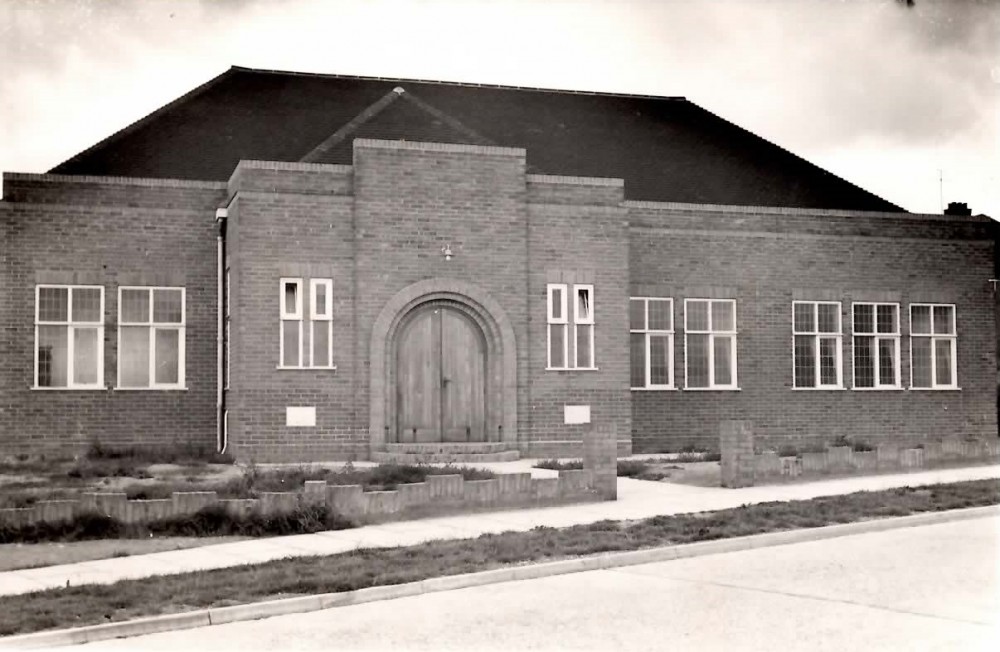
{"x":418,"y":377}
{"x":440,"y":378}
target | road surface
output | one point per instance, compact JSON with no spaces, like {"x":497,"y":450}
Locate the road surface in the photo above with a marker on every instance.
{"x":927,"y":588}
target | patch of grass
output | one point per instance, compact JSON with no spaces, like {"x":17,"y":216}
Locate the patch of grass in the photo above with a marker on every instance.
{"x":840,"y":440}
{"x":85,"y":605}
{"x":185,"y":453}
{"x":211,"y":521}
{"x":14,"y":556}
{"x":556,"y":465}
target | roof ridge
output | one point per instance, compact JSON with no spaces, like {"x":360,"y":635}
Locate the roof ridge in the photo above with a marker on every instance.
{"x":793,"y":154}
{"x":129,"y":128}
{"x":404,"y":80}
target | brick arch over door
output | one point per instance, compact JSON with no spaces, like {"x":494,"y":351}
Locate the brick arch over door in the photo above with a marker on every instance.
{"x":477,"y":304}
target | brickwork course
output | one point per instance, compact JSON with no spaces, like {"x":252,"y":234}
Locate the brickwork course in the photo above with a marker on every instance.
{"x":374,"y":194}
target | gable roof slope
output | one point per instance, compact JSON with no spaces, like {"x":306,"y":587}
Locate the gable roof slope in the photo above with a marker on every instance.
{"x":666,"y":149}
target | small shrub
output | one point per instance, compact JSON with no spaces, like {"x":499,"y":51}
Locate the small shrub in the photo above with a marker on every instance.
{"x":840,"y":440}
{"x":556,"y":465}
{"x":787,"y":450}
{"x":631,"y":468}
{"x":862,"y":447}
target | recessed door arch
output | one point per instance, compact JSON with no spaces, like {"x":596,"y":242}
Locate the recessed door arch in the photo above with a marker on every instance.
{"x":441,"y":380}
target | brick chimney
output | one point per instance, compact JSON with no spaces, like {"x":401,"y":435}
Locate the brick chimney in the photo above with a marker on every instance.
{"x":957,"y":208}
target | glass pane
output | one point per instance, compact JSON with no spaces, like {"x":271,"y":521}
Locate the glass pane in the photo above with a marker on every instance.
{"x":920,"y":320}
{"x":53,"y":304}
{"x":723,"y":361}
{"x":829,"y":317}
{"x":942,"y":360}
{"x":637,"y":359}
{"x":887,"y":362}
{"x":943,"y":322}
{"x":584,"y":352}
{"x":290,"y":342}
{"x":84,"y":354}
{"x":321,"y":343}
{"x":291,"y":302}
{"x":722,"y":316}
{"x":864,"y":318}
{"x":167,"y":307}
{"x":52,"y":356}
{"x":886,"y":319}
{"x":659,"y":360}
{"x":921,"y":349}
{"x":135,"y":306}
{"x":804,"y":318}
{"x":697,"y":316}
{"x":134,"y":355}
{"x":697,"y":360}
{"x":583,"y":305}
{"x":557,"y":339}
{"x":828,"y":361}
{"x":661,"y":316}
{"x":556,"y":309}
{"x":167,"y":356}
{"x":864,"y":360}
{"x":86,"y":304}
{"x":637,"y":314}
{"x":805,"y":361}
{"x":319,"y":301}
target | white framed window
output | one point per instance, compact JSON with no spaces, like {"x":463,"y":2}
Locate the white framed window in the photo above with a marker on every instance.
{"x":876,"y":345}
{"x":570,"y":342}
{"x":816,"y":345}
{"x":933,"y":339}
{"x":651,"y":342}
{"x":69,"y":337}
{"x":710,"y":344}
{"x":151,"y":324}
{"x":321,"y":322}
{"x":294,"y":351}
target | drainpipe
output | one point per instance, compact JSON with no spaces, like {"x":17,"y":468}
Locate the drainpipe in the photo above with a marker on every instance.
{"x":221,"y":440}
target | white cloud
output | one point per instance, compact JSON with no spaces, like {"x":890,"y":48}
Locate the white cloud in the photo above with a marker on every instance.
{"x":882,"y":95}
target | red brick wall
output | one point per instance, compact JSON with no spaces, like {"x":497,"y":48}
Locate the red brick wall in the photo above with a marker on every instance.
{"x":139,"y":232}
{"x":766,"y":260}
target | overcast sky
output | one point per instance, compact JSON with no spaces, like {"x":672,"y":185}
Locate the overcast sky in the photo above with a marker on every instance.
{"x":885,"y":96}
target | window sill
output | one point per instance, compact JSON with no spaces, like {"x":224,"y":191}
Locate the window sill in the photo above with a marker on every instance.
{"x":150,"y":389}
{"x":653,"y":389}
{"x":712,"y":389}
{"x":877,"y":389}
{"x":68,"y":389}
{"x":572,"y":368}
{"x":934,"y":389}
{"x":280,"y":368}
{"x":819,"y":389}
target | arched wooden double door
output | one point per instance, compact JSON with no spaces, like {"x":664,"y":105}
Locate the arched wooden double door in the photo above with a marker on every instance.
{"x":440,"y":377}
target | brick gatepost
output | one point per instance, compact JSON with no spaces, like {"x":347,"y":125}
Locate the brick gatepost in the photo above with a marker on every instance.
{"x":600,"y":457}
{"x":736,"y":444}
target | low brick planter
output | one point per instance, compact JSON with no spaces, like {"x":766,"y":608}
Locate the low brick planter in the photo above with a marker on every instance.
{"x":865,"y":460}
{"x":887,"y":455}
{"x":911,"y":458}
{"x":791,"y":467}
{"x":767,"y":464}
{"x":838,"y":458}
{"x":814,"y":462}
{"x":437,"y":494}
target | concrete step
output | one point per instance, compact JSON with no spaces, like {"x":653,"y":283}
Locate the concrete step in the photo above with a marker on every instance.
{"x":444,"y":458}
{"x":478,"y":448}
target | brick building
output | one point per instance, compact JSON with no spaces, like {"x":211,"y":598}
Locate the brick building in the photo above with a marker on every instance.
{"x":303,"y":267}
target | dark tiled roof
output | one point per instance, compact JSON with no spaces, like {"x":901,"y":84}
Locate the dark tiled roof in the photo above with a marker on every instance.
{"x":666,"y":149}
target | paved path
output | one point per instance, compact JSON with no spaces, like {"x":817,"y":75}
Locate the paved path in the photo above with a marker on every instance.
{"x":637,"y":499}
{"x":932,"y":587}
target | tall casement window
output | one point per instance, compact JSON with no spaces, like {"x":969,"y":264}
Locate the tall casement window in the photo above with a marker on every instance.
{"x":651,"y":334}
{"x":151,"y":337}
{"x":69,"y":336}
{"x":306,"y":343}
{"x":816,"y":344}
{"x":570,"y":326}
{"x":932,"y":346}
{"x":710,"y":343}
{"x":876,"y":345}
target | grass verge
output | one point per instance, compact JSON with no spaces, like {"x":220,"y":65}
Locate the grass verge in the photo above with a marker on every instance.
{"x":17,"y":556}
{"x":95,"y":604}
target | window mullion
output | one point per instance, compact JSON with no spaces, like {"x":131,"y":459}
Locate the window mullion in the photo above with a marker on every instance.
{"x":711,"y":357}
{"x":151,"y":329}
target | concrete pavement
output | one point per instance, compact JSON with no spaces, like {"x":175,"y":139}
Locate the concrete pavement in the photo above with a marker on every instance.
{"x":932,"y":587}
{"x":637,"y":499}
